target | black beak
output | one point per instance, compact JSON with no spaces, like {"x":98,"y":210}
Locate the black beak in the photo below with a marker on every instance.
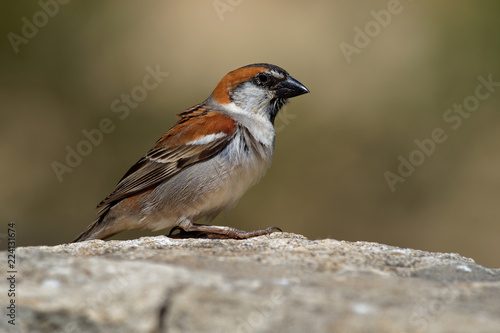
{"x":290,"y":88}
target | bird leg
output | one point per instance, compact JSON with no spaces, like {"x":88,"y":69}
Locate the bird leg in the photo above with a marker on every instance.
{"x":192,"y":230}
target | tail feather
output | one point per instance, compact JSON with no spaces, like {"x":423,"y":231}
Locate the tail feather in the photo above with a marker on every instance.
{"x":97,"y":230}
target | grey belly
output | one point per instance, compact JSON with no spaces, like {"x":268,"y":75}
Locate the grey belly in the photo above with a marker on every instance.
{"x":203,"y":189}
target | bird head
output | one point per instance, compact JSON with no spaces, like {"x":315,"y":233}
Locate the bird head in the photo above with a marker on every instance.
{"x":258,"y":88}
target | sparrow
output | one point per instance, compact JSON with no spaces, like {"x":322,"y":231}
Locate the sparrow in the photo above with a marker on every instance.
{"x":205,"y":163}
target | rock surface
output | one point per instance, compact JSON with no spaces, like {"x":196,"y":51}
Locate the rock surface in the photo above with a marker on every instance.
{"x":277,"y":283}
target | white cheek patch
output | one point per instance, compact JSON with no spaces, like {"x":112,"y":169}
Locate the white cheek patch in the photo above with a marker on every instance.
{"x":234,"y":108}
{"x":260,"y":126}
{"x":258,"y":116}
{"x":207,"y":139}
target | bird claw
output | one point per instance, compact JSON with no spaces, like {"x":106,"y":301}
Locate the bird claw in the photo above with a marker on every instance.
{"x":217,"y":232}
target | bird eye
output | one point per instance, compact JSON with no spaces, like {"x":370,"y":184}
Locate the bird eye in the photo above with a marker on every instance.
{"x":262,"y":78}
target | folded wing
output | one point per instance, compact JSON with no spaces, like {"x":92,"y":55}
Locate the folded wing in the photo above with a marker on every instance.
{"x":198,"y":136}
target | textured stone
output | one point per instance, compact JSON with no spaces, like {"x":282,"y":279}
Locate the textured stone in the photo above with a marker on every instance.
{"x":277,"y":283}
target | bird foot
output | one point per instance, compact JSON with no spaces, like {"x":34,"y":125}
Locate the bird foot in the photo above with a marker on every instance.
{"x":217,"y":232}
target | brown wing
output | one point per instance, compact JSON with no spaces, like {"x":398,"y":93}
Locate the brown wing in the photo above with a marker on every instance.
{"x":199,"y":135}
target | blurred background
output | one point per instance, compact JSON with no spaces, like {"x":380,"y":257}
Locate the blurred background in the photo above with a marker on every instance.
{"x":376,"y":87}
